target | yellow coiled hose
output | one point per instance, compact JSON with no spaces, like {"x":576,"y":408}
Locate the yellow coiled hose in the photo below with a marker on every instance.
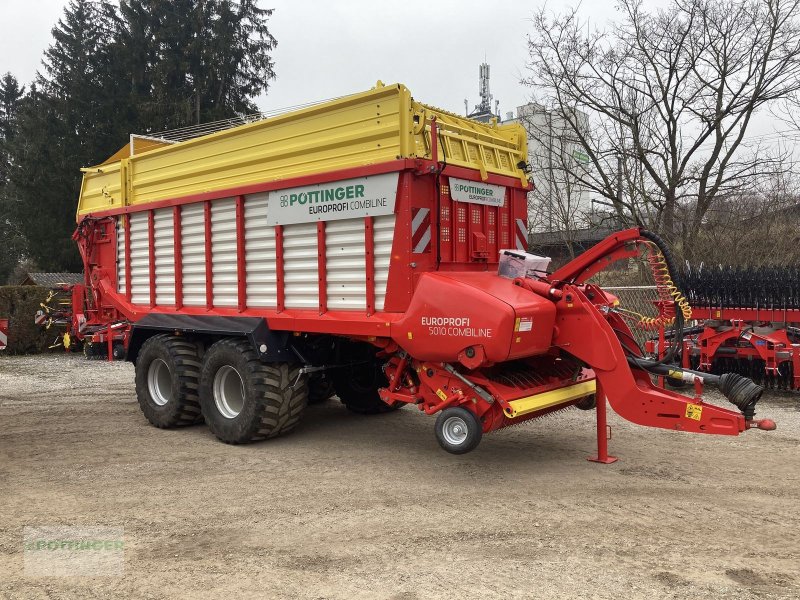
{"x":668,"y":294}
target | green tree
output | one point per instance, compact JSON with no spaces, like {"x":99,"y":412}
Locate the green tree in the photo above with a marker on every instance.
{"x":115,"y":69}
{"x":10,"y":95}
{"x":65,"y":123}
{"x":12,"y":240}
{"x":194,"y":61}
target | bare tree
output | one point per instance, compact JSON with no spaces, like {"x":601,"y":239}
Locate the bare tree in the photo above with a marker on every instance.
{"x":670,"y":95}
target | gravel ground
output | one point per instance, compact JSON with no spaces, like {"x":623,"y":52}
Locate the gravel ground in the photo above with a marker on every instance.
{"x":370,"y":507}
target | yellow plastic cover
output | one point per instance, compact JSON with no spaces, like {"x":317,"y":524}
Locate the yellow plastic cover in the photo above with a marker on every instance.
{"x":380,"y":125}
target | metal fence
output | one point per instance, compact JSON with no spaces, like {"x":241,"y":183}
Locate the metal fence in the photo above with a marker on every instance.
{"x":640,"y":299}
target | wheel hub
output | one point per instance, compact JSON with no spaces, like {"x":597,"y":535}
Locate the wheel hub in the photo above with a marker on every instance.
{"x":159,"y":382}
{"x":228,"y":392}
{"x":455,"y":430}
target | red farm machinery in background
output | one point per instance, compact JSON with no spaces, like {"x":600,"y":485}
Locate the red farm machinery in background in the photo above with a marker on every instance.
{"x":748,"y":322}
{"x":79,"y":326}
{"x":353,"y":247}
{"x":3,"y":334}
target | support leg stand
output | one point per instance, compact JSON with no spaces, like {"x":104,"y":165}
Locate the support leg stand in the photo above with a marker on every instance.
{"x":602,"y":431}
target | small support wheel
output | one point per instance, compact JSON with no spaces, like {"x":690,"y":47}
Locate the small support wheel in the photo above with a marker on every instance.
{"x":458,"y":430}
{"x":118,"y":351}
{"x":587,"y":402}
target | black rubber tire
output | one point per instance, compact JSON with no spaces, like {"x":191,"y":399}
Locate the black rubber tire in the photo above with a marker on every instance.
{"x":468,"y":419}
{"x":587,"y":402}
{"x":357,"y":385}
{"x":272,"y":407}
{"x":320,"y":389}
{"x":181,"y":357}
{"x":118,"y":351}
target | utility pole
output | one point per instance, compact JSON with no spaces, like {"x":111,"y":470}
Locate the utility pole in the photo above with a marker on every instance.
{"x":550,"y":182}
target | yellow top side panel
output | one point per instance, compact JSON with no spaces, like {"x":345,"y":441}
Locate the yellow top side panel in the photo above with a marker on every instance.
{"x":139,"y":144}
{"x":101,"y":188}
{"x":372,"y":127}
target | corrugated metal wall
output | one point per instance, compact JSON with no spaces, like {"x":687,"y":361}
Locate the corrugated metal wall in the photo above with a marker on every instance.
{"x":122,"y":286}
{"x":164,"y":244}
{"x":140,"y":259}
{"x":193,"y":256}
{"x":383,"y":232}
{"x":223,"y":252}
{"x":300,"y":273}
{"x":344,"y":253}
{"x":344,"y":259}
{"x":262,"y":290}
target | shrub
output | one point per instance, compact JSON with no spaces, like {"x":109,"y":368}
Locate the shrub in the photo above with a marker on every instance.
{"x":19,"y":303}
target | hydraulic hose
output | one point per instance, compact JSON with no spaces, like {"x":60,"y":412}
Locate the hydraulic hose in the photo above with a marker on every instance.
{"x":668,"y":256}
{"x":739,"y":390}
{"x":673,"y":283}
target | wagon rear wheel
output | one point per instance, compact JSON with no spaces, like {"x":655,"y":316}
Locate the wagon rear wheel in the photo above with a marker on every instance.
{"x":244,"y":400}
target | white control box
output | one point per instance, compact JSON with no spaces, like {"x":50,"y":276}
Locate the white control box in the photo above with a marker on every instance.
{"x":514,"y":263}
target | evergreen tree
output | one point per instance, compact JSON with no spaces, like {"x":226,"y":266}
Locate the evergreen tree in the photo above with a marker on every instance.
{"x":10,"y":95}
{"x":114,"y":69}
{"x":195,"y":61}
{"x":63,"y":125}
{"x":12,"y":241}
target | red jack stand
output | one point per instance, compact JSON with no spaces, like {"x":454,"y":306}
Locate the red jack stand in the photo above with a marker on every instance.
{"x":602,"y":431}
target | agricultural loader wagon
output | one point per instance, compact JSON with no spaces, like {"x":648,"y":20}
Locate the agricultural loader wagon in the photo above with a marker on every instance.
{"x":353,"y":248}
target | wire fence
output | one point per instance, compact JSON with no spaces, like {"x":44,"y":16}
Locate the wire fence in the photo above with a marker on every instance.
{"x":640,"y":299}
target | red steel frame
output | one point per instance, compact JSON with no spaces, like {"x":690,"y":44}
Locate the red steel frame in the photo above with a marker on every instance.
{"x":772,"y":348}
{"x":415,"y":181}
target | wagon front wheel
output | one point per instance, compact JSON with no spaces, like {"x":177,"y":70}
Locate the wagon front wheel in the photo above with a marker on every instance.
{"x":458,"y":430}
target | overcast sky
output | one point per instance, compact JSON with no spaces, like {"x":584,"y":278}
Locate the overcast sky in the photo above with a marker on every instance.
{"x":337,"y":47}
{"x":332,"y":48}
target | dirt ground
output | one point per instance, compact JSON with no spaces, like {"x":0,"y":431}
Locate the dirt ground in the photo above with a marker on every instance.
{"x":370,"y":507}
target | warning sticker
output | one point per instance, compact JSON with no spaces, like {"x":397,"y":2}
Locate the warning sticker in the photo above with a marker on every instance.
{"x":694,"y":411}
{"x":525,"y":324}
{"x":441,"y":393}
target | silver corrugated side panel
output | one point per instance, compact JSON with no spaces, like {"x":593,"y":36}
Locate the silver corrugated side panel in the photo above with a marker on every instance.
{"x":223,"y":252}
{"x":164,"y":243}
{"x":262,"y":290}
{"x":383,"y":231}
{"x":193,"y":254}
{"x":140,"y":259}
{"x":122,"y":287}
{"x":301,"y":274}
{"x":345,"y":264}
